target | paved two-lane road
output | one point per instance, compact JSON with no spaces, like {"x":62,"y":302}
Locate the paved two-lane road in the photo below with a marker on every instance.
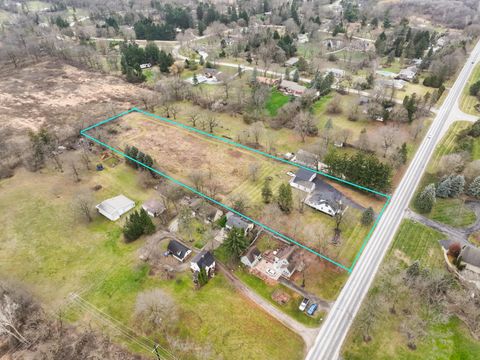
{"x":333,"y":332}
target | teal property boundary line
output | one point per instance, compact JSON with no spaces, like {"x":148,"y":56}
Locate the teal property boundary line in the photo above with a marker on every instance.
{"x":230,"y":142}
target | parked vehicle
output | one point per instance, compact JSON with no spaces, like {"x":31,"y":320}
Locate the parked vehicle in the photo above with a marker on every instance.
{"x":312,"y":309}
{"x":303,"y":304}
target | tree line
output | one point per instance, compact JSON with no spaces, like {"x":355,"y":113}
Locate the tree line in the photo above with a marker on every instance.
{"x":362,"y":169}
{"x":132,"y":56}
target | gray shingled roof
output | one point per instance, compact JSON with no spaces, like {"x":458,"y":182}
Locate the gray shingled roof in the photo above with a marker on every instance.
{"x":203,"y":259}
{"x":471,"y":255}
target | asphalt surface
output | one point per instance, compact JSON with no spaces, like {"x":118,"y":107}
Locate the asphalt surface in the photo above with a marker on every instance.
{"x":335,"y":328}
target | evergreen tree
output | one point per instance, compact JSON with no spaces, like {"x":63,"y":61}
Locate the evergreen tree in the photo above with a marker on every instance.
{"x":202,"y":277}
{"x":201,"y":28}
{"x":133,"y":228}
{"x":474,"y":188}
{"x":146,"y":222}
{"x":201,"y":61}
{"x":165,"y":61}
{"x":410,"y":104}
{"x":287,"y":74}
{"x":152,"y":53}
{"x":444,"y":188}
{"x":267,"y":192}
{"x":457,"y":185}
{"x":403,"y":153}
{"x":426,"y":199}
{"x":285,"y":200}
{"x":368,"y":216}
{"x":235,"y":243}
{"x":195,"y":80}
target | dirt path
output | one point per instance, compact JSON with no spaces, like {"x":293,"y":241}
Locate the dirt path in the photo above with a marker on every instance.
{"x":308,"y":334}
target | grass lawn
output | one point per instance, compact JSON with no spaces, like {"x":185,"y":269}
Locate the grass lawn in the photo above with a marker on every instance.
{"x":52,"y":251}
{"x":447,"y":145}
{"x":291,"y":308}
{"x":276,"y":100}
{"x":468,"y":102}
{"x":449,"y":340}
{"x":452,"y":212}
{"x":416,"y":241}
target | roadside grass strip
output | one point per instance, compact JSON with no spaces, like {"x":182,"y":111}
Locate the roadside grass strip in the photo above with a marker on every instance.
{"x":247,"y":188}
{"x":467,"y":101}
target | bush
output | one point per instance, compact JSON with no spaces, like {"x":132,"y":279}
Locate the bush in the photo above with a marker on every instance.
{"x":454,"y":249}
{"x":368,"y":216}
{"x":433,"y":81}
{"x":475,"y":88}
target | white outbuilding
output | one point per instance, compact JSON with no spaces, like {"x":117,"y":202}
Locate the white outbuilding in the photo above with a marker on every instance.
{"x":115,"y":207}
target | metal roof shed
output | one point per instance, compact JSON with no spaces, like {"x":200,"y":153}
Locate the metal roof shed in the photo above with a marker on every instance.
{"x":115,"y":207}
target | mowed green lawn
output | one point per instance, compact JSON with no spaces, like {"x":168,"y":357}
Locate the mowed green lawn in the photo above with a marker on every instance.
{"x":44,"y":245}
{"x":468,"y":102}
{"x":416,"y":241}
{"x":276,"y":100}
{"x":452,"y":212}
{"x":449,"y":340}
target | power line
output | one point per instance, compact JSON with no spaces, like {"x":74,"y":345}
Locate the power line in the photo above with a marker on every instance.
{"x":141,"y":340}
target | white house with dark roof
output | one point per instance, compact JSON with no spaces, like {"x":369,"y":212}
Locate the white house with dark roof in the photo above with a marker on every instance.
{"x":204,"y":260}
{"x":115,"y":207}
{"x":303,"y":180}
{"x":323,"y":203}
{"x":234,"y":220}
{"x":178,"y":250}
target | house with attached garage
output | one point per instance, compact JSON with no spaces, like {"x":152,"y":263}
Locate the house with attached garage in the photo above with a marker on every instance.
{"x":303,"y":180}
{"x":203,"y":260}
{"x":178,"y":250}
{"x":115,"y":207}
{"x":234,"y":220}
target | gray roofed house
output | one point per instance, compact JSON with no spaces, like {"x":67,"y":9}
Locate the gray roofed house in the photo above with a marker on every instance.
{"x":471,"y":257}
{"x":306,"y":158}
{"x":292,"y":61}
{"x":292,"y":88}
{"x":154,"y":207}
{"x":115,"y":207}
{"x":234,"y":220}
{"x":408,"y":74}
{"x":322,"y":202}
{"x":204,"y":260}
{"x":206,"y":211}
{"x":303,"y":180}
{"x":178,"y":250}
{"x":251,"y":257}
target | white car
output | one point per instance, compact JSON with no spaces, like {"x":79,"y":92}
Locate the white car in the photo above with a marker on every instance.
{"x":303,"y":304}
